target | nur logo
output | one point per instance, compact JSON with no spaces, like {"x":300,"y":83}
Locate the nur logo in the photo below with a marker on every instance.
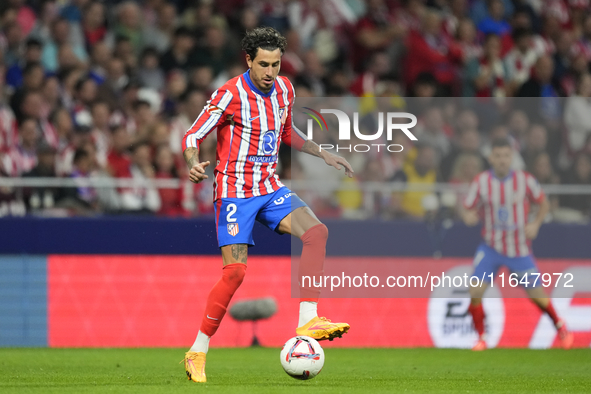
{"x":390,"y":119}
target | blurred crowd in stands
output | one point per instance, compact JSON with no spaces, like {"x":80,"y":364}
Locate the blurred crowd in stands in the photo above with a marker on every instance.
{"x":93,"y":89}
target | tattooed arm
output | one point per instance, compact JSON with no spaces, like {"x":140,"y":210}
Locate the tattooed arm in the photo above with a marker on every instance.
{"x":196,"y":168}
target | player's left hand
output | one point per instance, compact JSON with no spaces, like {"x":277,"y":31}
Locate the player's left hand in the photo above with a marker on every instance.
{"x":531,"y":230}
{"x":338,"y":162}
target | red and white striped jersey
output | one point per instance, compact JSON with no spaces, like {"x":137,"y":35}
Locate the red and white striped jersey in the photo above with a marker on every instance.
{"x":250,"y":128}
{"x":505,"y":203}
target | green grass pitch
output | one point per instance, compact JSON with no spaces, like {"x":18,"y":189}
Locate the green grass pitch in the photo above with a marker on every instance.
{"x":257,"y":370}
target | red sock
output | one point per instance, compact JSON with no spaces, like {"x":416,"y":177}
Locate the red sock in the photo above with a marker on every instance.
{"x":478,"y":317}
{"x":220,"y":296}
{"x":551,"y":312}
{"x":312,"y":261}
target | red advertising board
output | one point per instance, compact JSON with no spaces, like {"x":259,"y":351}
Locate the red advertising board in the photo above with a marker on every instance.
{"x":158,"y":301}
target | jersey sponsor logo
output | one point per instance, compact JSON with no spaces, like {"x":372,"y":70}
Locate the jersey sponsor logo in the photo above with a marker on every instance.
{"x":269,"y":142}
{"x":233,"y":229}
{"x":281,"y":200}
{"x":262,"y":159}
{"x":256,"y":117}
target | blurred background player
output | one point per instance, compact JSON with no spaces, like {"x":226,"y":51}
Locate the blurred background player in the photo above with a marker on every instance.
{"x":253,"y":115}
{"x":504,"y":197}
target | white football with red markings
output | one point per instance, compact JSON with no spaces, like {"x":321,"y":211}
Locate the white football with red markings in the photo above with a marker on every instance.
{"x":302,"y":357}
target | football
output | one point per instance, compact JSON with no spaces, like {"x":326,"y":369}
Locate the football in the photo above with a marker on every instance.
{"x":302,"y":357}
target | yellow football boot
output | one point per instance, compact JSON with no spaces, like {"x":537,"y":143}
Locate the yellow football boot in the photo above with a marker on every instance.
{"x":321,"y":328}
{"x":195,"y":366}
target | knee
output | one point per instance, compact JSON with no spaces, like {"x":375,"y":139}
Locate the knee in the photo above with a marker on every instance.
{"x":234,"y":273}
{"x":322,"y":232}
{"x":316,"y":234}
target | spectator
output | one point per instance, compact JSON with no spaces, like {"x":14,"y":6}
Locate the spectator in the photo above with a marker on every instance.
{"x":13,"y":38}
{"x":579,"y":174}
{"x":143,"y":119}
{"x":128,"y":25}
{"x":124,"y":50}
{"x":375,"y":31}
{"x":541,"y":84}
{"x":495,"y":22}
{"x":85,"y":195}
{"x":25,"y":16}
{"x":518,"y":124}
{"x":422,"y":172}
{"x":116,"y":80}
{"x":62,"y":122}
{"x":93,"y":24}
{"x":487,"y":76}
{"x":51,"y":93}
{"x":100,"y":54}
{"x":165,"y":169}
{"x":101,"y":121}
{"x":546,"y":107}
{"x":179,"y":55}
{"x":44,"y":198}
{"x":215,"y":52}
{"x":468,"y":143}
{"x":142,"y":197}
{"x":465,"y":168}
{"x":23,"y":156}
{"x":577,"y":115}
{"x":542,"y":169}
{"x":32,"y":55}
{"x":11,"y":199}
{"x":192,"y":103}
{"x":520,"y":59}
{"x":60,"y":37}
{"x":161,"y":35}
{"x":150,"y":74}
{"x":118,"y":160}
{"x":536,"y":143}
{"x":430,"y":51}
{"x":563,"y":57}
{"x":33,"y":76}
{"x":467,"y":40}
{"x":313,"y":75}
{"x":365,"y":85}
{"x":432,"y":130}
{"x":8,"y":125}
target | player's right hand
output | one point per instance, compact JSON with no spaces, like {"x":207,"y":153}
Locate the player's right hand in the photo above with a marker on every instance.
{"x":470,"y":217}
{"x":197,"y":172}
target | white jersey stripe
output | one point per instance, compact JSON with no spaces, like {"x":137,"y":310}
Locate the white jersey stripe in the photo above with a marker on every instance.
{"x":495,"y":196}
{"x":523,"y":247}
{"x":484,"y":178}
{"x":511,"y":219}
{"x":211,"y":122}
{"x":225,"y":177}
{"x":244,"y":142}
{"x":256,"y":168}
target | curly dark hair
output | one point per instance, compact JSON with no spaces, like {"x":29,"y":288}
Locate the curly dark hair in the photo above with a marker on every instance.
{"x":265,"y":38}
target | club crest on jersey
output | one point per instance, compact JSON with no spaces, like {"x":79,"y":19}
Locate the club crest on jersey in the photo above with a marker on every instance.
{"x":213,"y":110}
{"x":283,"y":114}
{"x":503,"y":214}
{"x":233,"y":229}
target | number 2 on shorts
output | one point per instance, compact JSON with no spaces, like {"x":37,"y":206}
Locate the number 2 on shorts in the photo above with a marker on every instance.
{"x":231,"y":209}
